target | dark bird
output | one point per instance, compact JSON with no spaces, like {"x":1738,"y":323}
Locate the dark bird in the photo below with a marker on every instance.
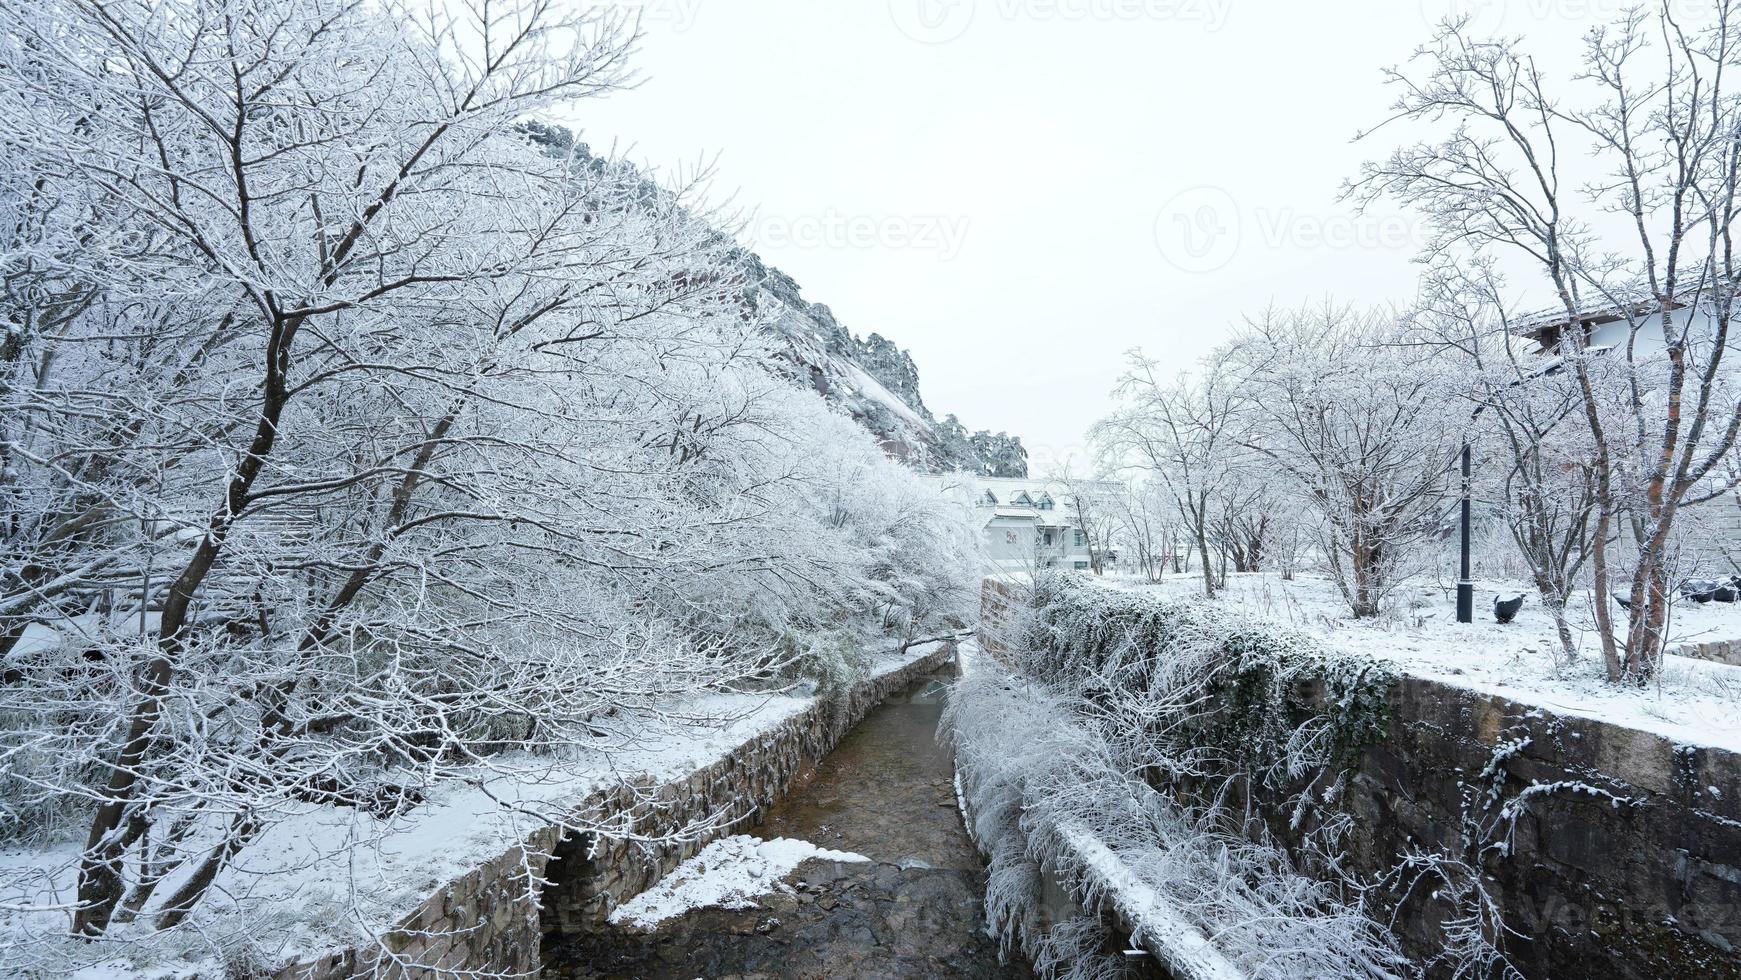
{"x":1505,"y":607}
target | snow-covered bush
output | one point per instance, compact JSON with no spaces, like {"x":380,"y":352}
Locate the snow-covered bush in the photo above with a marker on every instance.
{"x":1039,"y":778}
{"x":1205,"y":697}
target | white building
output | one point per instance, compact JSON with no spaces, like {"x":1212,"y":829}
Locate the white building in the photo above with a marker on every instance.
{"x":1709,"y":533}
{"x":1029,"y":523}
{"x":1610,"y":326}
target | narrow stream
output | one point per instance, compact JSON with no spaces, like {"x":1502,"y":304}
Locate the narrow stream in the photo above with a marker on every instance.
{"x":916,"y":910}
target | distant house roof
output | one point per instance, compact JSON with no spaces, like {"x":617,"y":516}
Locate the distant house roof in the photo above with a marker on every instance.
{"x":1046,"y":502}
{"x":1545,"y":327}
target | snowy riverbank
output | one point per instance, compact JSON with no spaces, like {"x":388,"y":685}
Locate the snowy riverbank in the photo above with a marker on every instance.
{"x":325,"y":877}
{"x":1692,"y":702}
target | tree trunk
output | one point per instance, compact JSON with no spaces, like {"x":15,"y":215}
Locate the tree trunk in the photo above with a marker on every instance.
{"x":1202,"y":528}
{"x":100,"y":886}
{"x":1368,"y":586}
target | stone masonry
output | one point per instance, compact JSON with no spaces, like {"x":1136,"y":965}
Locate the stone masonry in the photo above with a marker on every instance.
{"x":1717,"y":651}
{"x":493,"y":920}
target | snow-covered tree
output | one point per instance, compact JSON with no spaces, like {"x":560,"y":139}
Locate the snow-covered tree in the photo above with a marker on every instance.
{"x":1186,"y":433}
{"x":1641,"y":237}
{"x":1093,"y":509}
{"x":1354,"y":416}
{"x":1000,"y":454}
{"x":1524,"y":418}
{"x":354,"y":432}
{"x":1142,"y":519}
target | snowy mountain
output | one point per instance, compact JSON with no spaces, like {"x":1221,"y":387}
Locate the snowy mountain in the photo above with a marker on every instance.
{"x":872,"y":379}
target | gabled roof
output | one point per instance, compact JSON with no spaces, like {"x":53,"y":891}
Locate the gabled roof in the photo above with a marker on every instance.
{"x":1545,"y":326}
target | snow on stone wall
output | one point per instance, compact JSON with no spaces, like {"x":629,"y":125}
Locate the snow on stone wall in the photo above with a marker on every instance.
{"x":1717,"y":651}
{"x":1624,"y":848}
{"x":1612,"y":852}
{"x":493,"y":920}
{"x":1000,"y":612}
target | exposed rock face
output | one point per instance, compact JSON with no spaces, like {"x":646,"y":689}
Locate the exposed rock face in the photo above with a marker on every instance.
{"x":871,"y":378}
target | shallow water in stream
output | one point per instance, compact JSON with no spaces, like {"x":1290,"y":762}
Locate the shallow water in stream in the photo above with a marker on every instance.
{"x":916,"y":910}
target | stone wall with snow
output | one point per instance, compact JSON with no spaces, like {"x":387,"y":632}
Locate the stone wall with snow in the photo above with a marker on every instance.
{"x":495,"y":919}
{"x":1624,"y":856}
{"x":1622,"y":847}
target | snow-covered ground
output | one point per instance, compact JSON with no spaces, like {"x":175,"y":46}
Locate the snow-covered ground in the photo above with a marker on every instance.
{"x":1693,"y":701}
{"x":730,"y":873}
{"x":326,"y":877}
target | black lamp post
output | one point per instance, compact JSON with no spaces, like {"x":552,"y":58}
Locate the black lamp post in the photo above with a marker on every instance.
{"x":1465,"y":588}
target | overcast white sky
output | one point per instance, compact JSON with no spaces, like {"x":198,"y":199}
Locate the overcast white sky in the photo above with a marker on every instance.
{"x":1019,"y":191}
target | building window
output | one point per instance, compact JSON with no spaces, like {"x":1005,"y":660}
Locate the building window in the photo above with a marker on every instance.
{"x":1080,"y":566}
{"x":990,"y":499}
{"x":1046,"y":538}
{"x":1045,"y":501}
{"x":1021,"y":500}
{"x":1081,"y":539}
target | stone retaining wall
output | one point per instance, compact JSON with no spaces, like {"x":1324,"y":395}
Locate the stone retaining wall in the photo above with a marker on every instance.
{"x":493,"y":920}
{"x":598,"y":875}
{"x":1621,"y":853}
{"x":1000,"y":614}
{"x":1718,"y":651}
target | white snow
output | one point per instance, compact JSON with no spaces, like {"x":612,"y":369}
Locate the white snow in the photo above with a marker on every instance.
{"x":871,"y":388}
{"x":730,"y":873}
{"x":1187,"y":952}
{"x":83,"y":628}
{"x":1692,"y":702}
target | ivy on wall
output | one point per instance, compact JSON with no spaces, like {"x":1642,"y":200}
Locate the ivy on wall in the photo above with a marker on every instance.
{"x":1214,"y":696}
